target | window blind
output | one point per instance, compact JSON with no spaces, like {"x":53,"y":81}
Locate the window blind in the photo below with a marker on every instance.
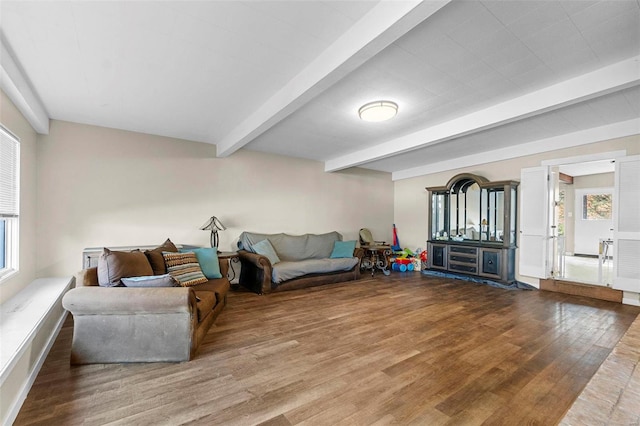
{"x":9,"y":173}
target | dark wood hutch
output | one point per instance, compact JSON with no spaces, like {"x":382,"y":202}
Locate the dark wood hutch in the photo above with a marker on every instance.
{"x":472,"y":227}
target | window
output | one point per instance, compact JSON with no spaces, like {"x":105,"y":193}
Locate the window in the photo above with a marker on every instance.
{"x":596,"y":206}
{"x":561,"y":220}
{"x":9,"y":201}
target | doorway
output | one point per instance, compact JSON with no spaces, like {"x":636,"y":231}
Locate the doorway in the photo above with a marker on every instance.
{"x":538,"y":255}
{"x":584,"y":215}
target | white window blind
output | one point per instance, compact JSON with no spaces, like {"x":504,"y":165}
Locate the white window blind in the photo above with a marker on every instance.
{"x":9,"y":173}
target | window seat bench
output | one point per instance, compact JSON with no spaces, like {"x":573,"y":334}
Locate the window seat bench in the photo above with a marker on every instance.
{"x":29,"y":324}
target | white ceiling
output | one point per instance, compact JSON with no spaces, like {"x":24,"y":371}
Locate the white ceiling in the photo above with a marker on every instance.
{"x":473,"y":79}
{"x":588,"y":168}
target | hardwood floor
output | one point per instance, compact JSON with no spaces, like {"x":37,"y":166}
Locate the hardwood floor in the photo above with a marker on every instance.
{"x":403,"y":349}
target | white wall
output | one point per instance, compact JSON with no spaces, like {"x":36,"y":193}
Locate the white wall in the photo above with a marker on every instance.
{"x":13,"y":120}
{"x":410,"y":197}
{"x":106,"y":187}
{"x":588,"y":233}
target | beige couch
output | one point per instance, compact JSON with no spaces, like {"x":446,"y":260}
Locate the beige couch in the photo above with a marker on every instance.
{"x":305,"y":262}
{"x":122,"y":324}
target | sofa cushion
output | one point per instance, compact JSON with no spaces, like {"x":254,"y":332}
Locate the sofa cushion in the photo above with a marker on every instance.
{"x":220,"y":287}
{"x":208,"y":260}
{"x":265,"y":249}
{"x":206,"y":301}
{"x":184,"y":267}
{"x":284,"y":271}
{"x":293,"y":247}
{"x":155,"y":256}
{"x":114,"y":265}
{"x":343,"y":249}
{"x":165,"y":280}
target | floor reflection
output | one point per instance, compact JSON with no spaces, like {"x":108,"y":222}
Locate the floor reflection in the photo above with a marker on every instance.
{"x":585,"y":270}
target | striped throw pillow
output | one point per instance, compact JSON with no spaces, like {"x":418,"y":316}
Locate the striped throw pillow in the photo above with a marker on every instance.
{"x":184,"y":267}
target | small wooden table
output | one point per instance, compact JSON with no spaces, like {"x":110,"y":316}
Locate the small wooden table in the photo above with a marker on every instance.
{"x":376,"y":257}
{"x":232,"y":257}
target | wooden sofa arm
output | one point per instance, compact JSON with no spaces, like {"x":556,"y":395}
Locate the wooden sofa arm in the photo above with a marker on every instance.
{"x":255,"y":272}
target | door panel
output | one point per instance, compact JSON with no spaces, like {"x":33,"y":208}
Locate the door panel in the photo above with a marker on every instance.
{"x":626,"y":232}
{"x":535,"y":247}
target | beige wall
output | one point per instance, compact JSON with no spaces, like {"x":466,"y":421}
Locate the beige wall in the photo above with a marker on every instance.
{"x":410,"y":196}
{"x":106,"y":187}
{"x":13,"y":120}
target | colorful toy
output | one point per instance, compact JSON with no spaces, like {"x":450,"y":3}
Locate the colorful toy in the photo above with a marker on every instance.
{"x":396,"y":244}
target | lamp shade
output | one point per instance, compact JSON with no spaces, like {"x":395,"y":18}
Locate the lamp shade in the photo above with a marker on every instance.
{"x":213,"y":224}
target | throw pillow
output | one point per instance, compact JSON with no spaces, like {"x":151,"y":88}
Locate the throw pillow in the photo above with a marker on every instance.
{"x":208,"y":260}
{"x":184,"y":267}
{"x":114,"y":265}
{"x":265,"y":249}
{"x":165,"y":280}
{"x":155,"y":257}
{"x":343,"y":249}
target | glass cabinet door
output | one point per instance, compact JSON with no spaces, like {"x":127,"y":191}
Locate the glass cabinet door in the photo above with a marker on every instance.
{"x":439,"y":216}
{"x":472,"y":217}
{"x":492,"y":222}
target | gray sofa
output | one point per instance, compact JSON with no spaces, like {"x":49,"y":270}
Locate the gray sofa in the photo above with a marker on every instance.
{"x":305,"y":262}
{"x":123,"y":324}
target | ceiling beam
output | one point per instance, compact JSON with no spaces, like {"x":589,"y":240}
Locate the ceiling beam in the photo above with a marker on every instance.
{"x":565,"y":178}
{"x":384,"y":24}
{"x":569,"y":140}
{"x":18,"y":89}
{"x":601,"y":82}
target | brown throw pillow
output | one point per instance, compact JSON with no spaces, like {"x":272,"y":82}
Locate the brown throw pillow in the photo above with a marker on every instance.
{"x":114,"y":265}
{"x":155,"y":257}
{"x":184,"y":267}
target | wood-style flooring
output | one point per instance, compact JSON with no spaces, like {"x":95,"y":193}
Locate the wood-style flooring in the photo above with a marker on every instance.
{"x":404,"y":349}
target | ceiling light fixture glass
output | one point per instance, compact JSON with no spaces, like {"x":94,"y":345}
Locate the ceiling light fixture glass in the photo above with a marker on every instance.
{"x":378,"y":111}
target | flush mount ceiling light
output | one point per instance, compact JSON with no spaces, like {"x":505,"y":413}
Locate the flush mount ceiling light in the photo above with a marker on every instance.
{"x":378,"y":111}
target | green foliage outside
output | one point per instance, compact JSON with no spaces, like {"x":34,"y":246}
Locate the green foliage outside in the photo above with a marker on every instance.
{"x":596,"y":206}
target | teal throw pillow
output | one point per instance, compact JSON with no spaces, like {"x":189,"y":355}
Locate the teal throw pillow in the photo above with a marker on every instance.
{"x":208,"y":260}
{"x":343,"y":249}
{"x":265,"y":249}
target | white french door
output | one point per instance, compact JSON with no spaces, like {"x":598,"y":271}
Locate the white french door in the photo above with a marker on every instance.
{"x":626,"y":224}
{"x":538,"y":186}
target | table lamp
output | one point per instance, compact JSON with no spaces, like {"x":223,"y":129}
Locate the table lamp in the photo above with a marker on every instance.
{"x":214,"y":225}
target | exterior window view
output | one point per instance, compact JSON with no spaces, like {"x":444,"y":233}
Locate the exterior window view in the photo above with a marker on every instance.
{"x":596,"y":207}
{"x":241,"y":212}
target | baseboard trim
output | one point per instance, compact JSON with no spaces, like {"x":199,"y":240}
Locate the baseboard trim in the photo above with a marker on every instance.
{"x":631,"y":298}
{"x":31,"y":378}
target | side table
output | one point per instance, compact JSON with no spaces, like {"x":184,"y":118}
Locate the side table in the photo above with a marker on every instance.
{"x":232,"y":257}
{"x":376,"y":257}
